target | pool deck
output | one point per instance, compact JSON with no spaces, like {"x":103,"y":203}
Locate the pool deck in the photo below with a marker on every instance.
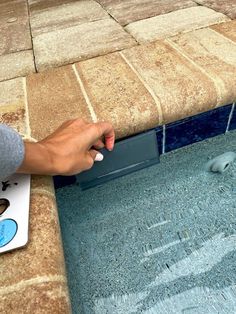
{"x":136,"y":65}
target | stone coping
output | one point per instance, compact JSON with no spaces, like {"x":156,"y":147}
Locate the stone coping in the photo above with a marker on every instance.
{"x":143,"y":86}
{"x":38,"y":34}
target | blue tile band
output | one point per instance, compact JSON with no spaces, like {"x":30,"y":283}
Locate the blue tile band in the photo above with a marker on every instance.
{"x":8,"y":229}
{"x":232,"y":124}
{"x":196,"y":128}
{"x":184,"y":132}
{"x":61,"y":181}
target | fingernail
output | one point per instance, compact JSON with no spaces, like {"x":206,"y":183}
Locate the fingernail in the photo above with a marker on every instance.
{"x":99,"y":157}
{"x":110,"y":149}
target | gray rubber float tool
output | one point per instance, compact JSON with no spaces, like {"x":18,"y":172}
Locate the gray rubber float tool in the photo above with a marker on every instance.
{"x":129,"y":155}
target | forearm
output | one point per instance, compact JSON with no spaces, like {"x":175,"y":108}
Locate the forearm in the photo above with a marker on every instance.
{"x":72,"y":148}
{"x":36,"y":160}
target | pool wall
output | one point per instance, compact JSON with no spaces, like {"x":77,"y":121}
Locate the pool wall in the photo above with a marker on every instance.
{"x":137,"y":89}
{"x":184,"y":132}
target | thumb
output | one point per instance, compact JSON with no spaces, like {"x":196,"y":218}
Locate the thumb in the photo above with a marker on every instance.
{"x":97,"y":156}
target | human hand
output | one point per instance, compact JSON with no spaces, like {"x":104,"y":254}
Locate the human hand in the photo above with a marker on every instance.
{"x":72,"y":148}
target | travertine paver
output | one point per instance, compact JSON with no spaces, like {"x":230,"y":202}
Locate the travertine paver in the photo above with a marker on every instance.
{"x":43,"y":184}
{"x":16,"y":64}
{"x":11,"y":92}
{"x":12,"y":104}
{"x":226,"y":29}
{"x":67,"y":15}
{"x":41,"y":282}
{"x":173,"y":23}
{"x":39,"y":5}
{"x":79,"y":42}
{"x":39,"y":297}
{"x":183,"y":90}
{"x":227,"y":7}
{"x":136,"y":89}
{"x":118,"y":95}
{"x":14,"y":26}
{"x":40,"y":226}
{"x":54,"y":96}
{"x":216,"y":55}
{"x":128,"y":11}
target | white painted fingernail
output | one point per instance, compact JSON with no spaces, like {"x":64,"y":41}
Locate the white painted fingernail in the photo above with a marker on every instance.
{"x":99,"y":157}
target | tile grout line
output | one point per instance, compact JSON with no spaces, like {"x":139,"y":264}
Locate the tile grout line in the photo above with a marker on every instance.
{"x":155,"y":98}
{"x":114,"y":19}
{"x":28,"y":137}
{"x":16,"y":52}
{"x":217,"y":82}
{"x":29,"y":282}
{"x":42,"y":191}
{"x":31,"y":36}
{"x":221,"y":35}
{"x":26,"y":108}
{"x":70,"y":26}
{"x":230,"y":118}
{"x":90,"y":106}
{"x":164,"y":139}
{"x":13,"y":78}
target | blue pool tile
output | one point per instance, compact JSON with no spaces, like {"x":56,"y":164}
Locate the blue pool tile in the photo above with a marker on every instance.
{"x":159,"y":133}
{"x":62,"y":181}
{"x":197,"y":128}
{"x":233,"y":120}
{"x":182,"y":133}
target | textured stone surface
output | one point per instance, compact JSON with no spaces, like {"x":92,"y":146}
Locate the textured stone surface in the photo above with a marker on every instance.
{"x":227,"y":29}
{"x":39,"y":5}
{"x":14,"y":117}
{"x":53,"y":97}
{"x":79,"y":42}
{"x":216,"y":56}
{"x":65,"y":16}
{"x":14,"y":26}
{"x":182,"y":89}
{"x":16,"y":64}
{"x":227,"y":7}
{"x":12,"y":104}
{"x":173,"y":23}
{"x":11,"y":92}
{"x":32,"y":279}
{"x":41,"y":262}
{"x":118,"y":95}
{"x":128,"y":11}
{"x":42,"y":183}
{"x":44,"y":237}
{"x":46,"y":297}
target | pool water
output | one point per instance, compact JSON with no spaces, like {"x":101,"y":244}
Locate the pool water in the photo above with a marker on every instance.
{"x":161,"y":240}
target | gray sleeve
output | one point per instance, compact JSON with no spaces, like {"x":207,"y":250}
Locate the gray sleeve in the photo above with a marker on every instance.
{"x":11,"y":151}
